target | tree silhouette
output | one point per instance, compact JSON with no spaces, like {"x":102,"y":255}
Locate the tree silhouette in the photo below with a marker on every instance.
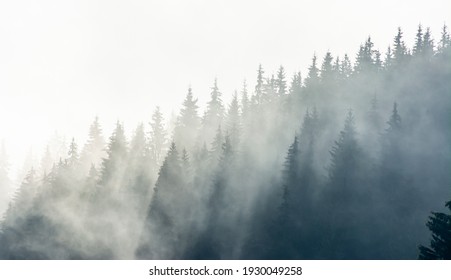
{"x":440,"y":226}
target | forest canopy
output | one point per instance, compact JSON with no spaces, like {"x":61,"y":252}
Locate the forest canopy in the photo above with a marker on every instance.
{"x":346,"y":161}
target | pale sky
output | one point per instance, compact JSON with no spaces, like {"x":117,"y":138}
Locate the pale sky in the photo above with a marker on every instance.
{"x":63,"y":62}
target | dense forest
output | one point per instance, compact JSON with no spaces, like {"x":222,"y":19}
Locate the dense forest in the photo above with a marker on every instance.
{"x":344,"y":162}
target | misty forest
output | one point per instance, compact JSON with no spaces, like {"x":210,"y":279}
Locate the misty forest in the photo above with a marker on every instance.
{"x":351,"y":160}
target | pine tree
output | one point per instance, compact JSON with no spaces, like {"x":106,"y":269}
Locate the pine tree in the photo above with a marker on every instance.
{"x":440,"y":247}
{"x":388,"y":61}
{"x":400,"y":50}
{"x":346,"y":67}
{"x":445,"y":40}
{"x":188,"y":124}
{"x":377,"y":60}
{"x":296,"y":84}
{"x":312,"y":76}
{"x":214,"y":114}
{"x":94,"y":150}
{"x":73,"y":154}
{"x":344,"y":155}
{"x":428,"y":44}
{"x":234,"y":121}
{"x":112,"y":166}
{"x":259,"y":85}
{"x":283,"y":232}
{"x":365,"y":61}
{"x":158,"y":134}
{"x":327,"y":69}
{"x":159,"y":238}
{"x":418,"y":48}
{"x":281,"y":82}
{"x":217,"y":239}
{"x":245,"y":102}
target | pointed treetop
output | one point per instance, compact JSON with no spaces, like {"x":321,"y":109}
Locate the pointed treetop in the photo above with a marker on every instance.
{"x":280,"y":82}
{"x":395,"y":119}
{"x":259,"y":85}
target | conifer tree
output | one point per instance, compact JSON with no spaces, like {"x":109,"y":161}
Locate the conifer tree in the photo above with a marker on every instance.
{"x":234,"y":121}
{"x":245,"y":102}
{"x":73,"y":154}
{"x":113,"y":165}
{"x":400,"y":50}
{"x":188,"y":123}
{"x":327,"y":69}
{"x":281,"y":82}
{"x":445,"y":40}
{"x":388,"y":61}
{"x":346,"y":67}
{"x":259,"y":85}
{"x":312,"y":76}
{"x":214,"y":114}
{"x":159,"y":237}
{"x":440,"y":247}
{"x":428,"y":44}
{"x":158,"y":134}
{"x":94,"y":150}
{"x":418,"y":47}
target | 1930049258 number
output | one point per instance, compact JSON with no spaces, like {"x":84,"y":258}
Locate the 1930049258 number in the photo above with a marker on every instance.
{"x":257,"y":270}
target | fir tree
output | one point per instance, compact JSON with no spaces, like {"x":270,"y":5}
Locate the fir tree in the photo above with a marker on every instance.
{"x":188,"y":123}
{"x":281,"y":82}
{"x":158,"y":136}
{"x":233,"y":121}
{"x":312,"y":76}
{"x":94,"y":150}
{"x":445,"y":40}
{"x":400,"y":50}
{"x":326,"y":69}
{"x":418,"y":47}
{"x":440,"y":247}
{"x":346,"y":67}
{"x":112,"y":166}
{"x":259,"y":85}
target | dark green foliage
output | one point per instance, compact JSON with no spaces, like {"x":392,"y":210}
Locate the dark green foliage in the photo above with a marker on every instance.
{"x":440,"y":226}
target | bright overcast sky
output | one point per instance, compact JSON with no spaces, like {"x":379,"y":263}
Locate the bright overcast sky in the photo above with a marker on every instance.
{"x":63,"y":62}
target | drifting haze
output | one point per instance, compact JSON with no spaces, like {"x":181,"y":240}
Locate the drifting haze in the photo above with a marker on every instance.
{"x":62,"y":63}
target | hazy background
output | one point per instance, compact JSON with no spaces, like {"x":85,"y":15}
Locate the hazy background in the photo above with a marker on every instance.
{"x":63,"y":62}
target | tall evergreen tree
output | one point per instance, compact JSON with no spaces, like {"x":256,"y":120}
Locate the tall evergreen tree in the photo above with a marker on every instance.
{"x":113,"y":165}
{"x":418,"y":47}
{"x":440,"y":226}
{"x":188,"y":123}
{"x":159,"y":238}
{"x":281,"y":82}
{"x":214,"y":113}
{"x":428,"y":44}
{"x":312,"y":76}
{"x":245,"y":102}
{"x":259,"y":85}
{"x":400,"y":52}
{"x":94,"y":150}
{"x":158,"y":134}
{"x":346,"y":67}
{"x":73,"y":156}
{"x":445,"y":40}
{"x":234,"y":121}
{"x":326,"y":69}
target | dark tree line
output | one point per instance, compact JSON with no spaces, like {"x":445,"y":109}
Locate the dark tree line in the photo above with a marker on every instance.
{"x":343,"y":164}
